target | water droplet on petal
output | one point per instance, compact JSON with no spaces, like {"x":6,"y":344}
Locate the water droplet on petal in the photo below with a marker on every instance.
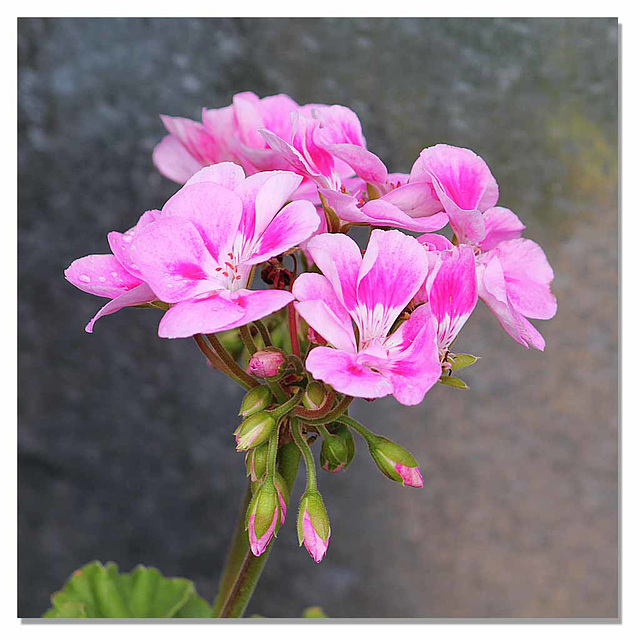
{"x":85,"y":278}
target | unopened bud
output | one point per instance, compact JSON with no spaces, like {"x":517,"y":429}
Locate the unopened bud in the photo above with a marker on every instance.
{"x":313,"y":525}
{"x":263,"y":517}
{"x":258,"y":399}
{"x":254,"y":430}
{"x":314,"y":396}
{"x":395,"y":462}
{"x":337,"y":451}
{"x":266,"y":363}
{"x":256,"y":462}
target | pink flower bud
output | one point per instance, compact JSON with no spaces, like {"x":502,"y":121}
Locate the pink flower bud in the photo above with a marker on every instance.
{"x":395,"y":462}
{"x":313,"y":525}
{"x":254,"y":431}
{"x":263,"y":517}
{"x":411,"y":476}
{"x":266,"y":363}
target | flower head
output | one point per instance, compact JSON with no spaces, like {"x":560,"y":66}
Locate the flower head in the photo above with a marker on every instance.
{"x":198,"y":255}
{"x":370,"y":291}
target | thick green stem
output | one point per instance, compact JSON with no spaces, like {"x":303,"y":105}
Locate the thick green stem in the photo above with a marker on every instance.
{"x":244,"y":569}
{"x":247,"y":381}
{"x":264,"y":332}
{"x":366,"y":435}
{"x":216,"y":361}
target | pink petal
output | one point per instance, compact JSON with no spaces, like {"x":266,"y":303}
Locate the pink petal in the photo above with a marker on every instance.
{"x":501,"y":224}
{"x":225,"y":174}
{"x":345,"y":206}
{"x":382,"y":213}
{"x":411,"y":476}
{"x":173,"y":259}
{"x":259,"y":545}
{"x":320,"y":307}
{"x":215,"y":211}
{"x":272,"y":196}
{"x":364,"y":163}
{"x":195,"y":138}
{"x":347,"y":373}
{"x":435,"y":241}
{"x":248,"y":118}
{"x":297,"y":161}
{"x":313,"y":543}
{"x":393,"y":268}
{"x":138,"y":295}
{"x":200,"y":315}
{"x":257,"y":304}
{"x":339,"y":259}
{"x":124,"y":245}
{"x":101,"y":275}
{"x":293,"y":225}
{"x":416,"y":199}
{"x":454,"y":292}
{"x":174,"y":161}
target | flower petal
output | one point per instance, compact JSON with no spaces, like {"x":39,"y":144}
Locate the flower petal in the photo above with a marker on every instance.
{"x":393,"y":268}
{"x":320,"y":307}
{"x":293,"y":225}
{"x":339,"y":259}
{"x":173,"y":160}
{"x":501,"y":224}
{"x":101,"y":275}
{"x":347,"y":373}
{"x":124,"y":245}
{"x":226,"y":174}
{"x":257,"y":304}
{"x":365,"y":164}
{"x":380,"y":212}
{"x":215,"y":211}
{"x":173,"y":259}
{"x":138,"y":295}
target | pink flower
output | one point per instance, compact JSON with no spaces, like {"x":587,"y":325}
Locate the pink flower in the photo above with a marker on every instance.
{"x":200,"y":252}
{"x":266,"y":363}
{"x":116,"y":275}
{"x":228,"y":133}
{"x":372,"y":291}
{"x":326,"y":145}
{"x":411,"y":476}
{"x":403,"y":204}
{"x":450,"y":287}
{"x":462,"y":182}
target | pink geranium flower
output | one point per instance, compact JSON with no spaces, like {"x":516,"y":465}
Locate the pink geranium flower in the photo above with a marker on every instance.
{"x":198,"y":255}
{"x":370,"y":291}
{"x":116,"y":275}
{"x":326,"y":145}
{"x":228,"y":133}
{"x":462,"y":183}
{"x":514,"y":278}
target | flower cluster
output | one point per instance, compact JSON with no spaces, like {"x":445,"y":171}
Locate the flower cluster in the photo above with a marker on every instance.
{"x":271,"y":187}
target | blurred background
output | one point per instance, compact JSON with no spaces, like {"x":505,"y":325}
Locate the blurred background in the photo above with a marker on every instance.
{"x":125,"y":445}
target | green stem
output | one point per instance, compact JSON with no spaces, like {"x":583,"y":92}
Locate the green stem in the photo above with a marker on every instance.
{"x":305,"y":450}
{"x":366,"y":435}
{"x":320,"y":412}
{"x":284,"y":408}
{"x":244,"y":570}
{"x":247,"y":381}
{"x":335,"y":413}
{"x":217,"y":362}
{"x":264,"y":332}
{"x":237,"y":551}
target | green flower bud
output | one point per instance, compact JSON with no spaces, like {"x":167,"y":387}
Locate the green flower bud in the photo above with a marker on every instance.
{"x":395,"y":462}
{"x":314,"y":396}
{"x":337,"y":451}
{"x":258,"y":399}
{"x":256,"y":462}
{"x":254,"y":431}
{"x":263,"y":517}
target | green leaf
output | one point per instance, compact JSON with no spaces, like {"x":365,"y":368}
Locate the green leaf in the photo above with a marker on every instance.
{"x":450,"y":381}
{"x":314,"y":612}
{"x":97,"y":591}
{"x":462,"y":360}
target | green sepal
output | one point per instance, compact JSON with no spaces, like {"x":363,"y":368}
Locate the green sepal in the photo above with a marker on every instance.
{"x":461,"y":360}
{"x":312,"y":502}
{"x":450,"y":381}
{"x":97,"y":591}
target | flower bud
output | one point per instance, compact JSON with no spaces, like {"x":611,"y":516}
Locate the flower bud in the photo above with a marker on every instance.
{"x":266,"y":363}
{"x":283,"y":495}
{"x":258,"y":399}
{"x":337,"y":451}
{"x":256,"y":462}
{"x":263,"y":517}
{"x":395,"y":462}
{"x":254,"y":430}
{"x":313,"y":525}
{"x":314,"y":396}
